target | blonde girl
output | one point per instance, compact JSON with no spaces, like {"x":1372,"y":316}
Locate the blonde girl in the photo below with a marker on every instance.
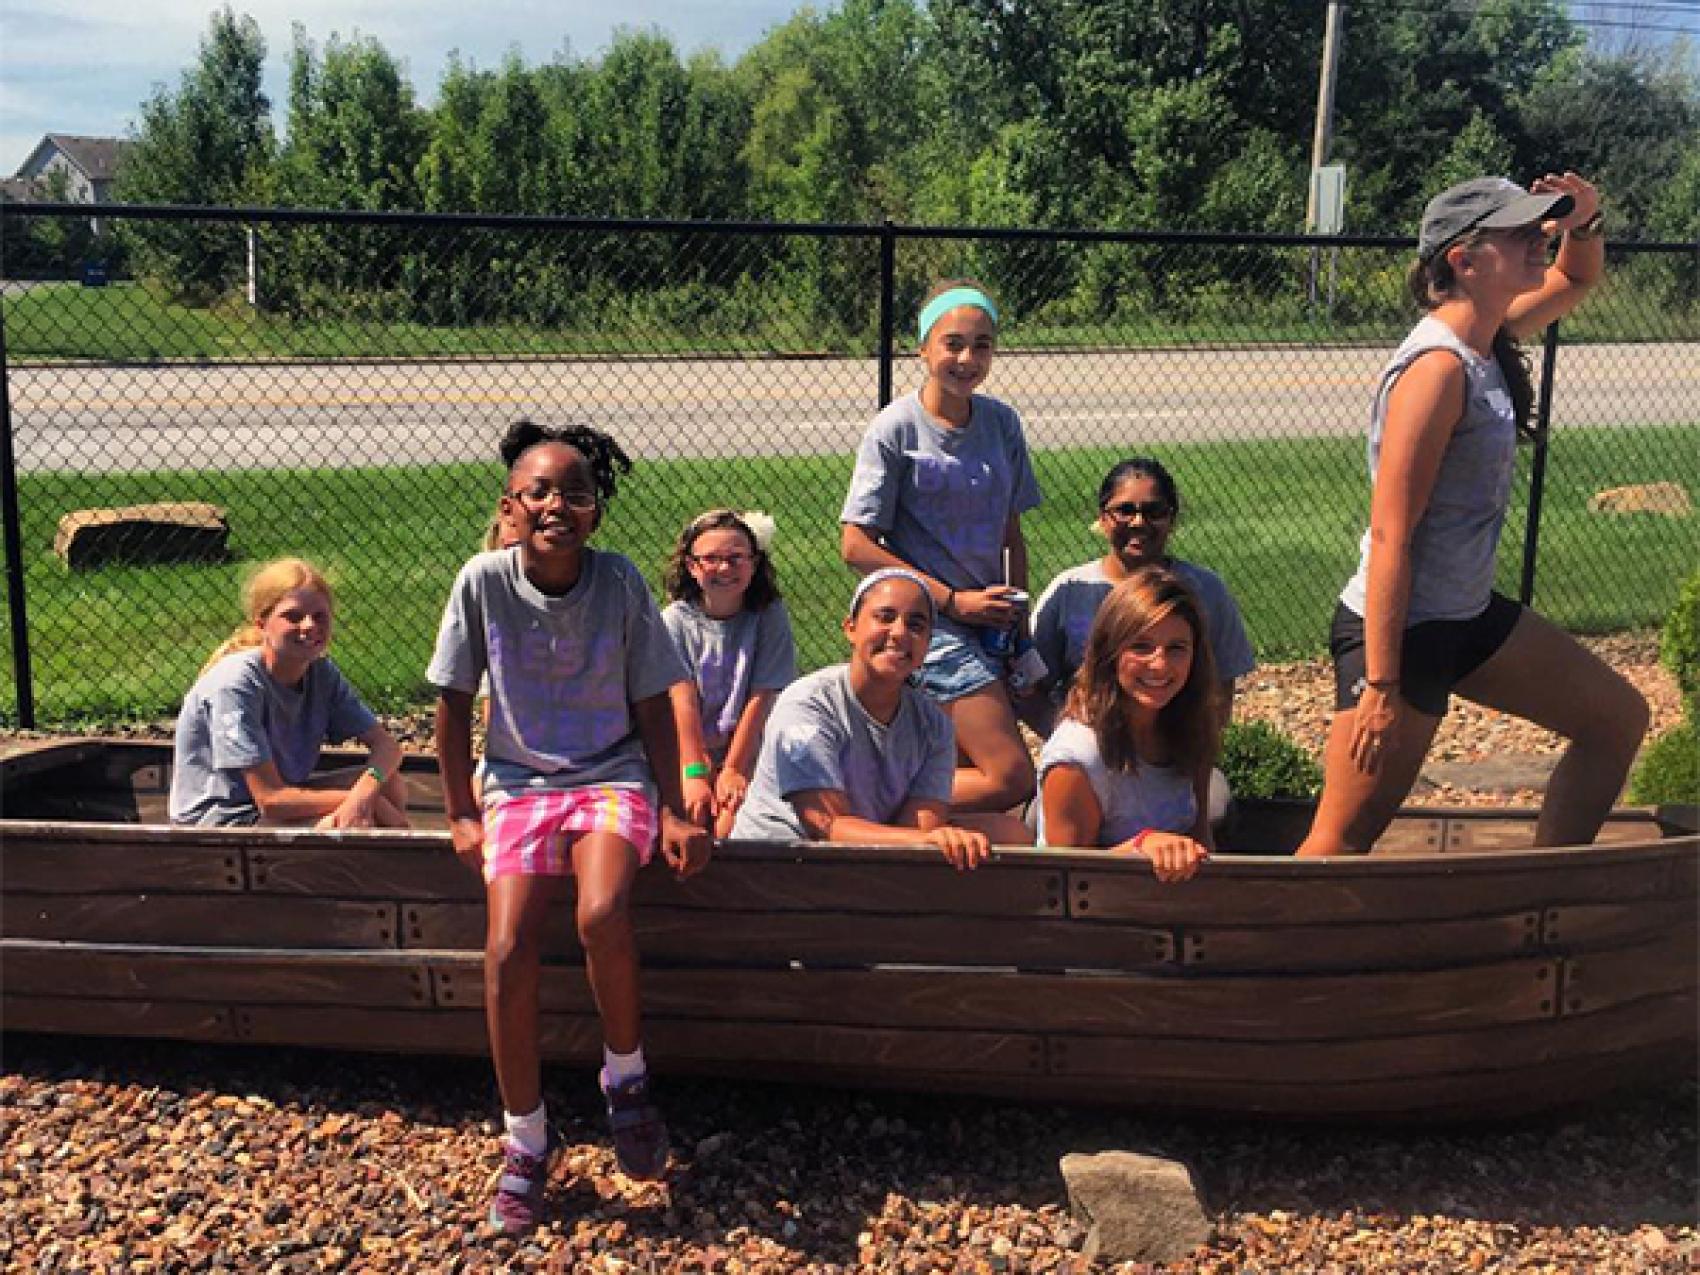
{"x":1129,"y":763}
{"x":733,"y":633}
{"x":266,"y":702}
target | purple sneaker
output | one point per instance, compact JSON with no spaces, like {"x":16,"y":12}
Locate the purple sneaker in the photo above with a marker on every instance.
{"x":640,"y":1134}
{"x":517,"y":1206}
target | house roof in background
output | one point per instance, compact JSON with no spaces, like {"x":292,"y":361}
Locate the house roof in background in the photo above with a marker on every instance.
{"x":97,"y":157}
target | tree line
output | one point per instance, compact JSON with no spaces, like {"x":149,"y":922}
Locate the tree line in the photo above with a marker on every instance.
{"x":1163,"y":114}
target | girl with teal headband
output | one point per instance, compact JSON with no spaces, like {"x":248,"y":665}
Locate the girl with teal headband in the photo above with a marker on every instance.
{"x":942,"y":479}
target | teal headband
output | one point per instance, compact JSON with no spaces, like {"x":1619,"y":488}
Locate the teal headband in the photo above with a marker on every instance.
{"x":947,"y":301}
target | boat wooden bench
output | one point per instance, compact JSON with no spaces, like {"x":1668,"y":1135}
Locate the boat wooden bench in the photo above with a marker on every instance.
{"x":1455,"y":973}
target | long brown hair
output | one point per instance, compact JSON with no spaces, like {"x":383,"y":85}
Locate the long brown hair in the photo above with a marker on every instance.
{"x":264,"y":590}
{"x":1433,"y":282}
{"x":1188,"y":723}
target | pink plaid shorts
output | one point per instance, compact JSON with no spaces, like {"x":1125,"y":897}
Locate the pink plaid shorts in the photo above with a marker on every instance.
{"x":531,"y":833}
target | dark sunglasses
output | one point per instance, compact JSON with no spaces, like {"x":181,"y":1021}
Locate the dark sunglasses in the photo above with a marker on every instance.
{"x":1150,"y":510}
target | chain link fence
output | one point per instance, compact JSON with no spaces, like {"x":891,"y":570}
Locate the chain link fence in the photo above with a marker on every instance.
{"x":336,"y":384}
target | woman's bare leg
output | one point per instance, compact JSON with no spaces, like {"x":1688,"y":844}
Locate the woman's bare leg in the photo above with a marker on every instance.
{"x":1357,"y":805}
{"x":513,"y":963}
{"x":999,"y":773}
{"x":1545,"y":676}
{"x":605,"y":866}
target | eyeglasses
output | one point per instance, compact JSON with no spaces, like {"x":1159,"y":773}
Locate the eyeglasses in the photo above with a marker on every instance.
{"x":1150,"y":510}
{"x":538,"y":495}
{"x":715,"y":561}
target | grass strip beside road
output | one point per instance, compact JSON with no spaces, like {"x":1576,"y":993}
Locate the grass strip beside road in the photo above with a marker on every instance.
{"x":1278,"y":519}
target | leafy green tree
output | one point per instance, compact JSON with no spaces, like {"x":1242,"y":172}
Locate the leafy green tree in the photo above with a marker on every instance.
{"x":210,"y":142}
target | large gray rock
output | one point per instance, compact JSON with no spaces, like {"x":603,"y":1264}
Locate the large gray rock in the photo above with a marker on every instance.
{"x":1140,"y":1208}
{"x":187,"y":532}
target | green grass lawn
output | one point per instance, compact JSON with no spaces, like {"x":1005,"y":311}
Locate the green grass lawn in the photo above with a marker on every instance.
{"x":1278,"y":519}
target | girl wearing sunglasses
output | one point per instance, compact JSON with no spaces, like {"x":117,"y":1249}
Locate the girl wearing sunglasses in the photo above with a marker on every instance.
{"x":1138,"y":506}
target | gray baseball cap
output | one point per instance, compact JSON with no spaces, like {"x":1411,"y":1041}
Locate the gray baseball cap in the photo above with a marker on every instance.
{"x":1485,"y":203}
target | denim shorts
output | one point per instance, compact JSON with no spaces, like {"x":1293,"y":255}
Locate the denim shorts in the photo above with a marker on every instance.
{"x":957,"y":665}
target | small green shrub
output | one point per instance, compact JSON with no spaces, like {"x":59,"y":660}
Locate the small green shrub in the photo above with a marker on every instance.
{"x":1680,"y":646}
{"x":1669,"y":770}
{"x":1261,"y":761}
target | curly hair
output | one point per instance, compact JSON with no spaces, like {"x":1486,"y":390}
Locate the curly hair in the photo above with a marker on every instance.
{"x":682,"y":585}
{"x":1188,"y":723}
{"x":607,"y":459}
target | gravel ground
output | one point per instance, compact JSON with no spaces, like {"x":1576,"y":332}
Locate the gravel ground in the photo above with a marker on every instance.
{"x":130,"y":1157}
{"x":124,"y":1156}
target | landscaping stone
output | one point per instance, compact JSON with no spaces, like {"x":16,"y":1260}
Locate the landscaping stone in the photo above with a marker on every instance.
{"x":1643,"y":498}
{"x":142,"y":534}
{"x":1140,"y":1208}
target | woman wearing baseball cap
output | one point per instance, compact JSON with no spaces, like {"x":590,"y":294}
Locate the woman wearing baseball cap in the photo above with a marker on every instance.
{"x":1420,"y":619}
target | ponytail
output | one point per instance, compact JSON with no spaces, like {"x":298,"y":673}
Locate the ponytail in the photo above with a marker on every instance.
{"x":1430,"y":283}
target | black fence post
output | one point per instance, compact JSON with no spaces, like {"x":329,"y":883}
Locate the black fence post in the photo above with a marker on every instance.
{"x":888,"y":305}
{"x":1538,"y":471}
{"x":12,"y":517}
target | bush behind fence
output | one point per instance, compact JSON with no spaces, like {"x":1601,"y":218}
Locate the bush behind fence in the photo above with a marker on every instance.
{"x":352,"y":414}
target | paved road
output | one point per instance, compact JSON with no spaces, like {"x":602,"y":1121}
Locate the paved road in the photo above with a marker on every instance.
{"x":109,"y":419}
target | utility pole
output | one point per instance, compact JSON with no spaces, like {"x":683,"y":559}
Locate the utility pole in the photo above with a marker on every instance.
{"x":1324,"y":103}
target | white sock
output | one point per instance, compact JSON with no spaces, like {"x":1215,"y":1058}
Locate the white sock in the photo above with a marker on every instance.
{"x":619,"y":1068}
{"x":530,"y":1133}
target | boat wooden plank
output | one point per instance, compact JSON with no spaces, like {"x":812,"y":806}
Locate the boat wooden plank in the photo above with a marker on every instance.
{"x":915,"y":885}
{"x":845,"y":1052}
{"x":1408,"y":835}
{"x":1242,"y":949}
{"x":1361,"y":894}
{"x":1668,"y":963}
{"x":667,"y":935}
{"x":152,"y":973}
{"x":1314,"y":1007}
{"x":1580,"y":926}
{"x":35,"y":866}
{"x":187,"y":920}
{"x":1667,"y":1021}
{"x":1497,"y":833}
{"x":81,"y":1016}
{"x":349,"y":870}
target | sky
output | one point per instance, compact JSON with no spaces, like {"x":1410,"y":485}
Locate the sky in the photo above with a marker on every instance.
{"x":85,"y":66}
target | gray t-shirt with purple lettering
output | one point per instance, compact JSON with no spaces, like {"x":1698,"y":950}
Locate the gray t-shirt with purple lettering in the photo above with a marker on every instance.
{"x":563,"y":671}
{"x":820,"y":737}
{"x":731,"y":660}
{"x":237,"y":716}
{"x":941,"y":498}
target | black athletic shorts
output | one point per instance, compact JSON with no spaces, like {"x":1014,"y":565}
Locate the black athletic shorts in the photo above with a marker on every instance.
{"x":1434,"y":657}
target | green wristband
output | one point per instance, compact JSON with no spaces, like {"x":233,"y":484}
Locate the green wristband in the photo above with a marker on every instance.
{"x":378,"y":774}
{"x":697,"y":770}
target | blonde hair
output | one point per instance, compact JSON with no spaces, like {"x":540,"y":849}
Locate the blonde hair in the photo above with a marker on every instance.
{"x":268,"y":586}
{"x":1188,"y":723}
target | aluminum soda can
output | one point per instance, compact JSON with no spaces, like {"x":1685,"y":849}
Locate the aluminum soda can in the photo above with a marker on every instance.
{"x":999,"y":643}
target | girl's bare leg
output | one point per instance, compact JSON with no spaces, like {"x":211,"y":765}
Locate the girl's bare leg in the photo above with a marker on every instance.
{"x":605,"y":866}
{"x":999,"y":773}
{"x":1356,"y":806}
{"x":513,"y":960}
{"x":1546,"y":676}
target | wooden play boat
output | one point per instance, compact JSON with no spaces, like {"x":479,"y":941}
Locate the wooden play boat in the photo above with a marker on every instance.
{"x":1452,"y":974}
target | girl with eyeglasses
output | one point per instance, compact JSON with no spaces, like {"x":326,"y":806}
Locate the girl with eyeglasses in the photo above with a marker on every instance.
{"x":942,"y":479}
{"x":1421,"y":618}
{"x":580,"y":778}
{"x":1138,"y":507}
{"x":733,"y":633}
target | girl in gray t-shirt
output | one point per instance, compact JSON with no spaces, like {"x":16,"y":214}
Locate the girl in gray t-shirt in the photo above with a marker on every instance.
{"x":731,"y":630}
{"x":251,"y":728}
{"x":1128,"y":766}
{"x":942,"y":478}
{"x":853,"y":752}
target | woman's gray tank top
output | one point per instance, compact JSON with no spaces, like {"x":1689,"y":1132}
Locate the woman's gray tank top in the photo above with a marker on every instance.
{"x":1457,"y":538}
